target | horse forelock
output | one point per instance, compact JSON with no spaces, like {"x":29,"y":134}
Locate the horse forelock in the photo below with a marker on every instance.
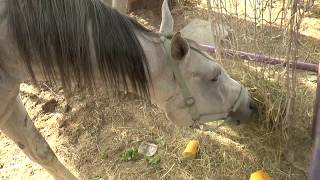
{"x":55,"y":35}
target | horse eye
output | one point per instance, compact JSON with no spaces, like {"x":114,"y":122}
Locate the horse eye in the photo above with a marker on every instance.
{"x":215,"y":79}
{"x":216,"y":76}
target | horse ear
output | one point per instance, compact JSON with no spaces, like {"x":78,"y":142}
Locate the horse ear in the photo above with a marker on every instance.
{"x":179,"y":47}
{"x":167,"y":22}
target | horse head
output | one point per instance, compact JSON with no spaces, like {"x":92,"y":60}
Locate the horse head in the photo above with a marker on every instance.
{"x":197,"y":89}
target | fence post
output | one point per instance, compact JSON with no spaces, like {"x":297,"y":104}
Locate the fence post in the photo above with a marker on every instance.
{"x":314,"y":173}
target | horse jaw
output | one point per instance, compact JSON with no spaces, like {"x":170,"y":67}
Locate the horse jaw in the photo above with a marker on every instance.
{"x":167,"y":22}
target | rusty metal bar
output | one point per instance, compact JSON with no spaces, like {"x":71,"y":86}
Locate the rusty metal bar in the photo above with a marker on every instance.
{"x":261,"y":58}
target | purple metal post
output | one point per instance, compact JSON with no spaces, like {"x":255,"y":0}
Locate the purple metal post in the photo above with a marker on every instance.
{"x":314,"y":173}
{"x":261,"y":58}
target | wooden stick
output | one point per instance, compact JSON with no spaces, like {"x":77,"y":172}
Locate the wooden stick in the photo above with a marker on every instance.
{"x":261,"y":58}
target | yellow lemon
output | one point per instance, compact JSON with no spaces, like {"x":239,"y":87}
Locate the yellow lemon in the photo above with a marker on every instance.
{"x":191,"y":149}
{"x":259,"y":175}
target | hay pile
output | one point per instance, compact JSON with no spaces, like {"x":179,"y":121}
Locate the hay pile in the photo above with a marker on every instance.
{"x":93,"y":130}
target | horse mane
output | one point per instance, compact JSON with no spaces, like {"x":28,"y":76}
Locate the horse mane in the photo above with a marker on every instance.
{"x":65,"y":37}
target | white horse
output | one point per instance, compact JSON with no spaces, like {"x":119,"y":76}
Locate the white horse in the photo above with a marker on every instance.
{"x":87,"y":44}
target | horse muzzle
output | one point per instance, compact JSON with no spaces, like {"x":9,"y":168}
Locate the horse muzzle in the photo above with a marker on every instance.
{"x":245,"y":112}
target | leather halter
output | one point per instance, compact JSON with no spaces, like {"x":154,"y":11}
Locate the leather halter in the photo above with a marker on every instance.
{"x":189,"y":100}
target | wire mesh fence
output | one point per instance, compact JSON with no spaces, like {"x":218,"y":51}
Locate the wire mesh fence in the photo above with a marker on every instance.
{"x":272,"y":28}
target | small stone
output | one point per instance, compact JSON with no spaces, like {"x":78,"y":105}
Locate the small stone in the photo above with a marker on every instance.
{"x":148,"y":149}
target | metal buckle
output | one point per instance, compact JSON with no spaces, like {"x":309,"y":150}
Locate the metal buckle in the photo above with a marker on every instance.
{"x":162,"y":38}
{"x":189,"y":101}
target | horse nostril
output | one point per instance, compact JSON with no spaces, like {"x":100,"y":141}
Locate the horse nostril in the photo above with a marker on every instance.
{"x":252,"y":106}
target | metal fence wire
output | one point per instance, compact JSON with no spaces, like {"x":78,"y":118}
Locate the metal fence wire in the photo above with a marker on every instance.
{"x":272,"y":28}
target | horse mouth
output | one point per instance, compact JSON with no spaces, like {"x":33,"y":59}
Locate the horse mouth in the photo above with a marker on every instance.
{"x":244,"y":113}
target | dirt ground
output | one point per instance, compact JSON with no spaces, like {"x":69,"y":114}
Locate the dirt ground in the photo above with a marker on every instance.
{"x":89,"y":132}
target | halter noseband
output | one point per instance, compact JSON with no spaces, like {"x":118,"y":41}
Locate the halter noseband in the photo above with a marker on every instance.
{"x":189,"y":100}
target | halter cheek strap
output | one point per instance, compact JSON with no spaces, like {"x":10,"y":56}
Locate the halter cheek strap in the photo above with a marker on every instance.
{"x":189,"y":100}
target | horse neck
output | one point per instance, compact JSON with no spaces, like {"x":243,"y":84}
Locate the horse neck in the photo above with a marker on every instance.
{"x":151,"y":45}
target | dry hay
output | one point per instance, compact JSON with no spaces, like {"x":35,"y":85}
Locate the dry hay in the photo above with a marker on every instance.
{"x":90,"y":132}
{"x":91,"y":136}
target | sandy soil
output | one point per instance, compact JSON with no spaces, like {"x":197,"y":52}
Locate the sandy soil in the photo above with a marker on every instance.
{"x":89,"y":132}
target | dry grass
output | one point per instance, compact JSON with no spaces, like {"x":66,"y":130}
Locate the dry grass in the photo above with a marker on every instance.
{"x":99,"y":126}
{"x":91,"y":137}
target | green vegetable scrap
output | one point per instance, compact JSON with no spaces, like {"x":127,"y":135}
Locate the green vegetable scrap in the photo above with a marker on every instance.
{"x":96,"y":178}
{"x":154,"y":161}
{"x":129,"y":154}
